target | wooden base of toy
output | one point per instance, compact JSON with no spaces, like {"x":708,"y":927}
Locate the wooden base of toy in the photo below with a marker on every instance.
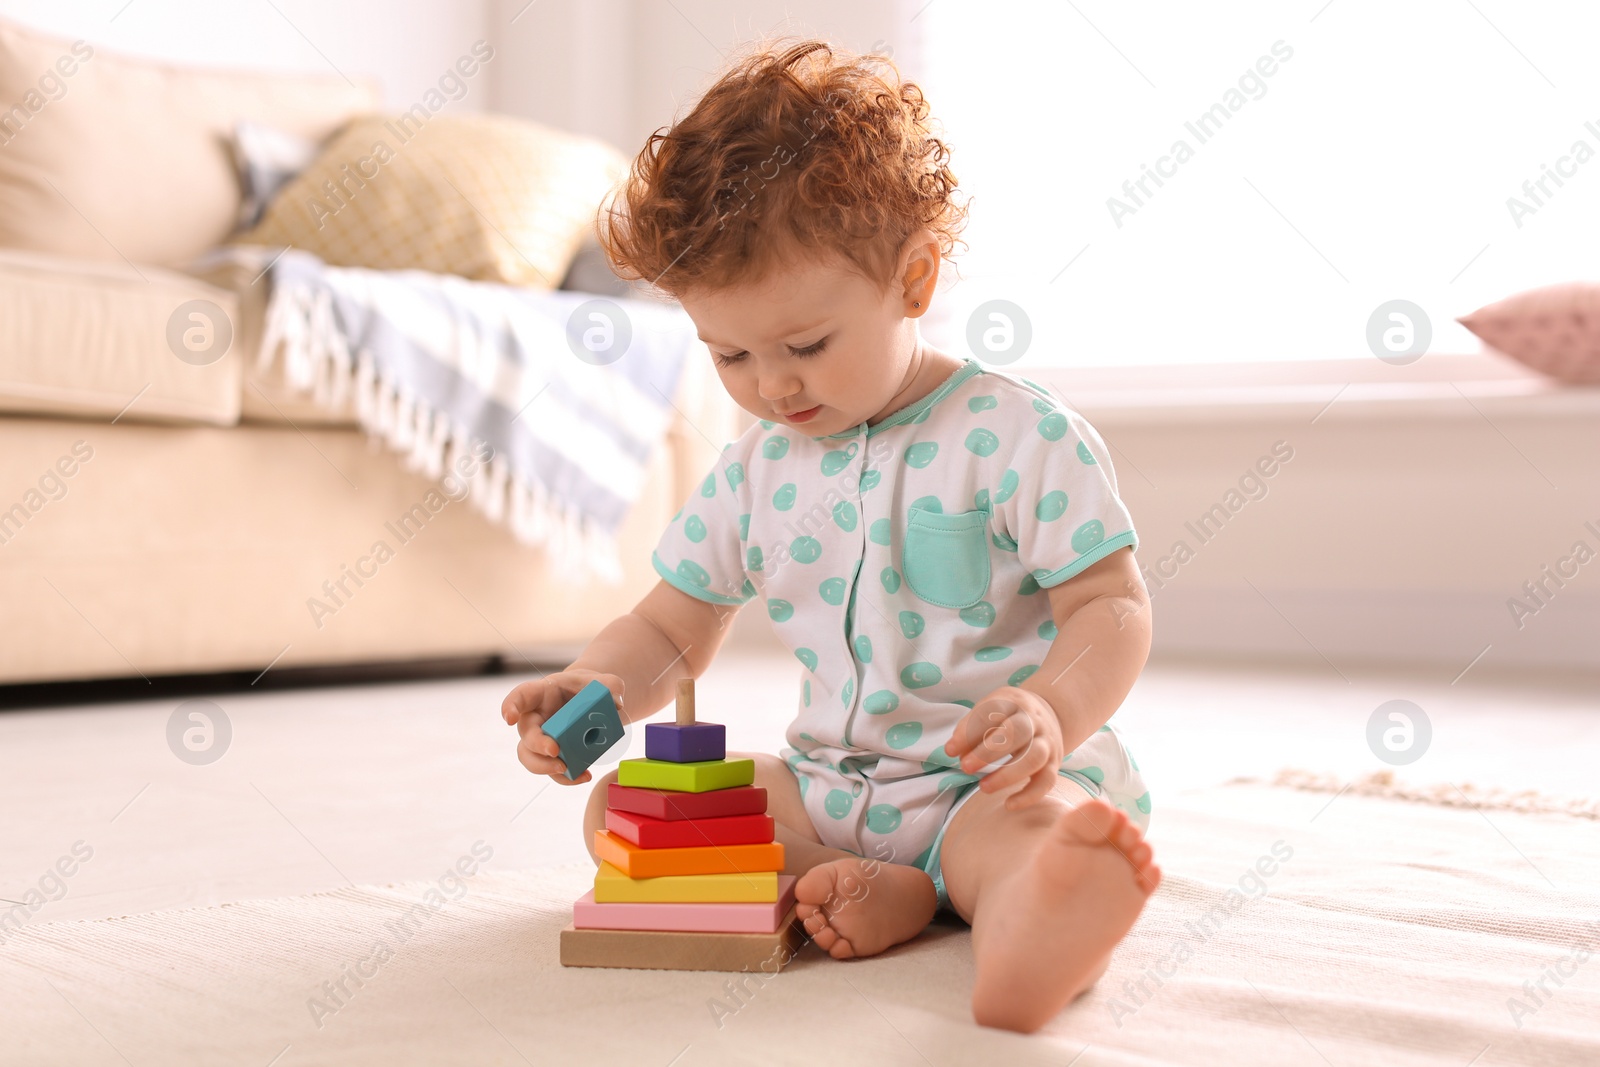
{"x":673,"y":950}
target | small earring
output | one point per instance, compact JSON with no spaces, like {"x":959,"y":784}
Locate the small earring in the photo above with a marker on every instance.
{"x":916,"y":303}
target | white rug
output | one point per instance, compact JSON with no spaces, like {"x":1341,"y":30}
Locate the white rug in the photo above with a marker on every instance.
{"x":1398,"y":932}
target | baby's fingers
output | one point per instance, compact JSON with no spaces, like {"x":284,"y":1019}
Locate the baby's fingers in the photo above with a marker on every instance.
{"x":1038,"y":787}
{"x":522,"y":700}
{"x":551,"y":765}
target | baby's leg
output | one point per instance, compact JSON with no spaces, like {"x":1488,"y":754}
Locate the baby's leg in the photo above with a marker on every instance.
{"x":1049,"y":891}
{"x":834,"y":888}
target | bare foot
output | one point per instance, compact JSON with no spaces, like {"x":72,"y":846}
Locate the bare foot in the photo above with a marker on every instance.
{"x":1044,"y":934}
{"x":859,"y":907}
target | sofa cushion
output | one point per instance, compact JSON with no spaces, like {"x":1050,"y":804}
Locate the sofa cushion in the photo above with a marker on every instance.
{"x":117,"y":159}
{"x":488,"y":197}
{"x":96,"y":340}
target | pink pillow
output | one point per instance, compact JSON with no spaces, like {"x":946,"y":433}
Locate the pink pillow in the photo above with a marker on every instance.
{"x":1554,"y":329}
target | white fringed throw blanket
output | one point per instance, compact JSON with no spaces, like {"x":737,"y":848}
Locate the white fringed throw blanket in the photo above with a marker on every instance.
{"x":567,"y":394}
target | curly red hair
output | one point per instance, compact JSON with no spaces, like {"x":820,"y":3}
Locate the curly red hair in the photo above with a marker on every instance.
{"x":810,"y":150}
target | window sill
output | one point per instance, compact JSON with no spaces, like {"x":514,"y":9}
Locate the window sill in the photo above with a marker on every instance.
{"x":1436,"y":386}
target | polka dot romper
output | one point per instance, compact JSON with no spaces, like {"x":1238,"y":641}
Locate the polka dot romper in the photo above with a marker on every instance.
{"x":903,"y":564}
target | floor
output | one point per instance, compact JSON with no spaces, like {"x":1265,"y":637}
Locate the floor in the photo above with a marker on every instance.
{"x":319,"y":788}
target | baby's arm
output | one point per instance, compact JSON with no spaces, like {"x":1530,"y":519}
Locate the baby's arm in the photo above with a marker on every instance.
{"x":639,"y":656}
{"x":1103,"y":634}
{"x":1102,"y":619}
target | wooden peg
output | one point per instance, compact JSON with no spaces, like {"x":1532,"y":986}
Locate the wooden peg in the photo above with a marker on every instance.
{"x":686,"y":702}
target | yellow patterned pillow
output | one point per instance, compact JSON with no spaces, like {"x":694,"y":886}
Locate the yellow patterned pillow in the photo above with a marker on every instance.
{"x":489,"y":197}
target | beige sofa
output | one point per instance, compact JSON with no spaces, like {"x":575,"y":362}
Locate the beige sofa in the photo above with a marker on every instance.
{"x":158,"y":517}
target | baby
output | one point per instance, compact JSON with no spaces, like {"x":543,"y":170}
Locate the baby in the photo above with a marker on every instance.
{"x":940,"y":545}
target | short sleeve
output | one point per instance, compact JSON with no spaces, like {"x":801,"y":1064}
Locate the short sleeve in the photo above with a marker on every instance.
{"x":702,"y":549}
{"x":1056,"y":504}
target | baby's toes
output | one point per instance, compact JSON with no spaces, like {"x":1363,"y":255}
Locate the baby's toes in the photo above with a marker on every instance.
{"x":826,"y":937}
{"x":813,"y":918}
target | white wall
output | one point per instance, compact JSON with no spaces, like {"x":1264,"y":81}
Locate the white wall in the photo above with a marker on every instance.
{"x":619,"y":69}
{"x":406,"y":44}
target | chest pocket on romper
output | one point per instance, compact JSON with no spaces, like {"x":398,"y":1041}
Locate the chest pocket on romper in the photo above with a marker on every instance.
{"x":945,"y":558}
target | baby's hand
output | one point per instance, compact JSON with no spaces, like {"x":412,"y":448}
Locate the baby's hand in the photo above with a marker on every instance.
{"x":1015,"y":722}
{"x":528,"y":706}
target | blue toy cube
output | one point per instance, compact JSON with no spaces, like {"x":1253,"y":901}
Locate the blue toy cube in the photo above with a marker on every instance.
{"x":585,"y":727}
{"x":690,"y":743}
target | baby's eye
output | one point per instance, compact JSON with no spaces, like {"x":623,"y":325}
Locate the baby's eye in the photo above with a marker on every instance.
{"x":810,"y":350}
{"x":728,"y":361}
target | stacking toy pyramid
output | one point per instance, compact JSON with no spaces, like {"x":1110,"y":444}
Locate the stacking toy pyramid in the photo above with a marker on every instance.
{"x":688,"y":876}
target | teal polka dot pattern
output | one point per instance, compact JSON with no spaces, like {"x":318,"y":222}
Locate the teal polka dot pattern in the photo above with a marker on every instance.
{"x":915,"y":667}
{"x":881,"y":703}
{"x":1022,"y":674}
{"x":1094,"y":774}
{"x":804,"y":783}
{"x":1053,"y":427}
{"x":980,"y":614}
{"x":1051,"y":506}
{"x":835,"y":461}
{"x":883,"y":818}
{"x":837,"y":803}
{"x":956,"y":781}
{"x":692,"y":572}
{"x":903,"y":734}
{"x":766,"y":424}
{"x":1088,"y":535}
{"x":982,"y":442}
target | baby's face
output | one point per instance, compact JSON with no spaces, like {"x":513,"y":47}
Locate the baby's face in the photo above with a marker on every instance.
{"x":815,"y":346}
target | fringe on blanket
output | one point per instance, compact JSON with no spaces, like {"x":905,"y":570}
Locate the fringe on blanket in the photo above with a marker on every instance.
{"x":317,"y":359}
{"x":1466,"y":795}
